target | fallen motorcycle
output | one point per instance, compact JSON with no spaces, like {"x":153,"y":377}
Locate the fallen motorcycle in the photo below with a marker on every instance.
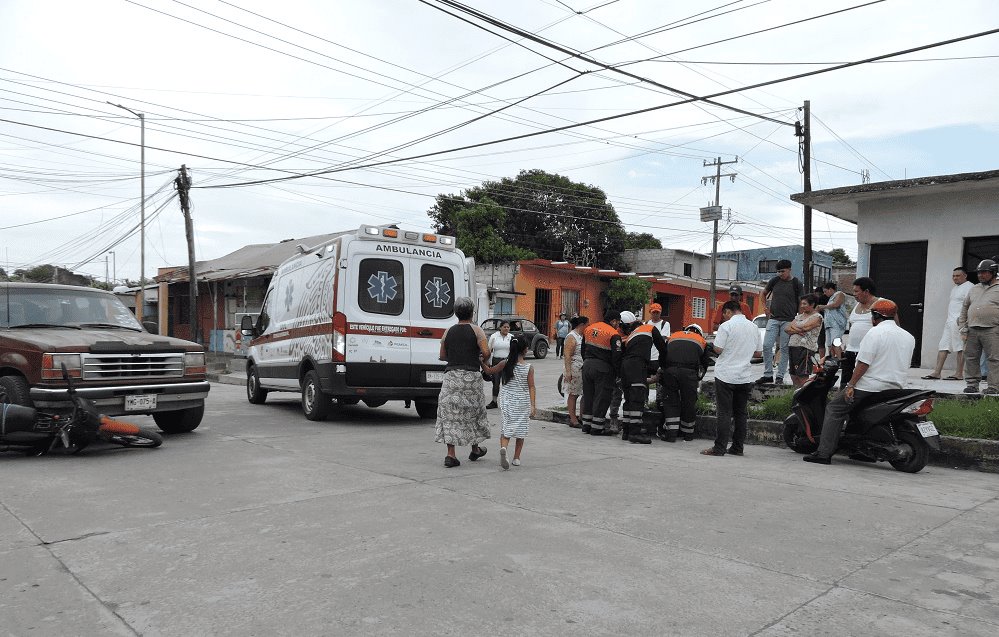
{"x":886,"y":426}
{"x":26,"y":430}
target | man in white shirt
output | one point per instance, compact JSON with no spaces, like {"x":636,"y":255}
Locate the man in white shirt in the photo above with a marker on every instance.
{"x":950,"y":339}
{"x":657,"y":321}
{"x":882,"y":363}
{"x":737,"y":342}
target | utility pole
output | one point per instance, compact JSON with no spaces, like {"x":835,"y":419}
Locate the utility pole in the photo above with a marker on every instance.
{"x":804,"y":131}
{"x":715,"y":216}
{"x":183,"y":185}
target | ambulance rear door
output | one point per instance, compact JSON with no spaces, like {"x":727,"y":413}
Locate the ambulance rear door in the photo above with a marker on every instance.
{"x":436,"y":278}
{"x":376,"y":304}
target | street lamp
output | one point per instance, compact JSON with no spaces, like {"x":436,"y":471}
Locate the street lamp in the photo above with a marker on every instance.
{"x":140,"y":302}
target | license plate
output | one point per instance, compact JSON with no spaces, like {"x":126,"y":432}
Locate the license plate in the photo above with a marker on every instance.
{"x":435,"y":377}
{"x":140,"y":402}
{"x":927,"y":429}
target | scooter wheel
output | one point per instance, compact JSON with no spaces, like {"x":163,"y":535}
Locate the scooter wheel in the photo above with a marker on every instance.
{"x":795,"y":439}
{"x":917,"y":452}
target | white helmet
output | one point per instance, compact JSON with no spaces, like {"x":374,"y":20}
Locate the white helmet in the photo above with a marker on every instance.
{"x":694,"y":327}
{"x":628,"y":317}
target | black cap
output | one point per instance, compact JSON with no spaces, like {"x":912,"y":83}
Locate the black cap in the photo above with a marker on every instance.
{"x":783,"y":264}
{"x":735,"y":289}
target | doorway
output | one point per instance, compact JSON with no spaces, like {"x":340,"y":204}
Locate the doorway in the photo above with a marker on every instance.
{"x":899,"y":272}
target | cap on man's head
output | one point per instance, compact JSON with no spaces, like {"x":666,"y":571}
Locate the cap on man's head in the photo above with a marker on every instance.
{"x":735,"y":289}
{"x":655,"y":307}
{"x":783,"y":264}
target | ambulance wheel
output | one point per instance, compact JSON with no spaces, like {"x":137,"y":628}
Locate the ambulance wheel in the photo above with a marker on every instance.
{"x":254,"y":393}
{"x":315,"y":402}
{"x":426,"y":409}
{"x":541,"y":350}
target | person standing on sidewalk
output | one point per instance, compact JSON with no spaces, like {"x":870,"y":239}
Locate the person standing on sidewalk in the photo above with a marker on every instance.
{"x":562,"y":327}
{"x":737,"y":343}
{"x":951,"y":339}
{"x":784,"y":291}
{"x":573,"y":375}
{"x":979,"y":322}
{"x":833,"y":317}
{"x":804,"y":341}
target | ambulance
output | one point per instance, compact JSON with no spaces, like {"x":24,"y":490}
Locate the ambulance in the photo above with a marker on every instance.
{"x":358,"y":318}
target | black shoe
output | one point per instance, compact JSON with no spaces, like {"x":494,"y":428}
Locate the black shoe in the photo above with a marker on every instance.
{"x":476,"y":455}
{"x":600,"y":432}
{"x":492,"y":405}
{"x":859,"y":457}
{"x":765,"y":380}
{"x":640,"y":440}
{"x":688,"y":437}
{"x":450,"y":461}
{"x":585,"y":429}
{"x":670,"y":435}
{"x":625,"y":433}
{"x":817,"y":459}
{"x":735,"y":452}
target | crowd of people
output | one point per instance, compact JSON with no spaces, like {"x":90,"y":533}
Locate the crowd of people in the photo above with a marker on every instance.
{"x":609,"y":365}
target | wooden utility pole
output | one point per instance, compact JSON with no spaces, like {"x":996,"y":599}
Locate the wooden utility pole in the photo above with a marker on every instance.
{"x":183,"y":185}
{"x":806,"y":170}
{"x":716,"y":179}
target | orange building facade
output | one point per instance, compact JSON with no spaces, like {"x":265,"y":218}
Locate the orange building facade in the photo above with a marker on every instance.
{"x":545,"y":289}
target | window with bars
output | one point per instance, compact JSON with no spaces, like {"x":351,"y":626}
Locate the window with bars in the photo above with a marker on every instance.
{"x":768,"y":266}
{"x":699,"y":307}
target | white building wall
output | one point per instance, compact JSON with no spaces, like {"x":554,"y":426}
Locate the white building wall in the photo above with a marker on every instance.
{"x":943,"y":221}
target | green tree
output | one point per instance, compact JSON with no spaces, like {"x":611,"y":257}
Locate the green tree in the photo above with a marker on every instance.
{"x":479,"y":229}
{"x":641,"y":241}
{"x":840,"y":257}
{"x":628,"y":293}
{"x":546,"y":214}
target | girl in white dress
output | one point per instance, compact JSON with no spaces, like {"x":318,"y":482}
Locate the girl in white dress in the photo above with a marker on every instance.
{"x":516,"y":399}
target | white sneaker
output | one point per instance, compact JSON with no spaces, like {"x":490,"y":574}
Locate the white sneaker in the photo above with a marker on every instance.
{"x":503,"y":461}
{"x":516,"y":462}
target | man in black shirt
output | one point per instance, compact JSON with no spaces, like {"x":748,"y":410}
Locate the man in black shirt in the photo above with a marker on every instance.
{"x":783,"y":294}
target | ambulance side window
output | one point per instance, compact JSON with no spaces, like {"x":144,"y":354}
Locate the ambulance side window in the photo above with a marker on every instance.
{"x":380,"y":287}
{"x":265,"y":313}
{"x":436,"y":291}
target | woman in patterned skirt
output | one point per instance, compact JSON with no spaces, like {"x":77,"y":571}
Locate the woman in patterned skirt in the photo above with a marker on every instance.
{"x":516,"y":399}
{"x":461,"y":408}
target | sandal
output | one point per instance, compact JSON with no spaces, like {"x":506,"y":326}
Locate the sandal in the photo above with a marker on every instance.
{"x":451,"y":461}
{"x":954,"y":378}
{"x":712,"y":452}
{"x":930,"y":377}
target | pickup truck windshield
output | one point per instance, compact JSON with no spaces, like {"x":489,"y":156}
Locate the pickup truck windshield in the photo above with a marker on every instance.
{"x":62,"y":308}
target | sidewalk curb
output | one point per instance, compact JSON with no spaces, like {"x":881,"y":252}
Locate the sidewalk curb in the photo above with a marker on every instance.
{"x":955,"y":453}
{"x":226,"y":379}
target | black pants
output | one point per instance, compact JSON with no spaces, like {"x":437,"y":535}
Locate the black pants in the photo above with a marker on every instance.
{"x":635,"y":391}
{"x":848,"y":362}
{"x":598,"y":384}
{"x":679,"y":399}
{"x":733,"y":406}
{"x":497,"y":377}
{"x":559,"y":346}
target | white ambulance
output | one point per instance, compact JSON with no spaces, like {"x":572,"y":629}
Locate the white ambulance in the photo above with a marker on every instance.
{"x":359,"y":317}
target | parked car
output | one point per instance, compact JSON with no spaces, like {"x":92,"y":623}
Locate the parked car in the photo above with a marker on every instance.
{"x":520,"y":326}
{"x":113,"y":361}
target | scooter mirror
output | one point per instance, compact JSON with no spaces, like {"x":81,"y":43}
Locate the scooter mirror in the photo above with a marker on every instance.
{"x":837,"y":342}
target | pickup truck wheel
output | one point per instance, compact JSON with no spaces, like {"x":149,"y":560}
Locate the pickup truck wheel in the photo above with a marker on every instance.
{"x":254,"y":393}
{"x":315,"y":402}
{"x":14,"y":390}
{"x":180,"y":421}
{"x":426,"y":409}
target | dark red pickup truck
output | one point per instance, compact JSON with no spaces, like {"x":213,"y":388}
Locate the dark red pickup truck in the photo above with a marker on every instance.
{"x":114,"y":361}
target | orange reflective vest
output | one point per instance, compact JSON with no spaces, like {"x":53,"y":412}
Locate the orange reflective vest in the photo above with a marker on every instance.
{"x":603,"y":342}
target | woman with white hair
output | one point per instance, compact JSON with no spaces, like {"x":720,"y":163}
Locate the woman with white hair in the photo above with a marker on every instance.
{"x":461,"y":408}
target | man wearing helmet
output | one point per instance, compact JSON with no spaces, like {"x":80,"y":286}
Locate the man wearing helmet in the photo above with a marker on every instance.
{"x":979,"y":323}
{"x":639,"y":341}
{"x":686,"y":353}
{"x":882,"y":363}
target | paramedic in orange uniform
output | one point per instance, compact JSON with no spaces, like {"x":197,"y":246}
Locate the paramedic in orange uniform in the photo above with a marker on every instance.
{"x":601,"y":363}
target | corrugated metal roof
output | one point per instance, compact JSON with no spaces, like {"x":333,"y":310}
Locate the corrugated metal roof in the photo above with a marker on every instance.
{"x":249,"y":261}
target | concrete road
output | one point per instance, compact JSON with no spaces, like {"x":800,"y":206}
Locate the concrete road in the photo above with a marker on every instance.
{"x":263,"y":523}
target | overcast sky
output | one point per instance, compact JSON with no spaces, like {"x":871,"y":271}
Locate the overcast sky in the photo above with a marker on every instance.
{"x":253,"y":91}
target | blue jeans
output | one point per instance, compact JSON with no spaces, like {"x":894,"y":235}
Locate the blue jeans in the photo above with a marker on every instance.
{"x":775,"y":330}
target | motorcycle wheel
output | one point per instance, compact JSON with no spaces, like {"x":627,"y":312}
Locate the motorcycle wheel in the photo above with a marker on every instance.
{"x":918,"y":456}
{"x":145,"y":438}
{"x":794,"y":438}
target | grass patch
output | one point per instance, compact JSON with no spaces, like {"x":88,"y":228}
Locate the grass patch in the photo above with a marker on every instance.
{"x":967,"y":418}
{"x":776,"y":407}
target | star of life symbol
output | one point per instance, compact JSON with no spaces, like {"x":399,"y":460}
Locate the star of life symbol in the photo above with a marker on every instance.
{"x":381,"y":287}
{"x":438,"y":292}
